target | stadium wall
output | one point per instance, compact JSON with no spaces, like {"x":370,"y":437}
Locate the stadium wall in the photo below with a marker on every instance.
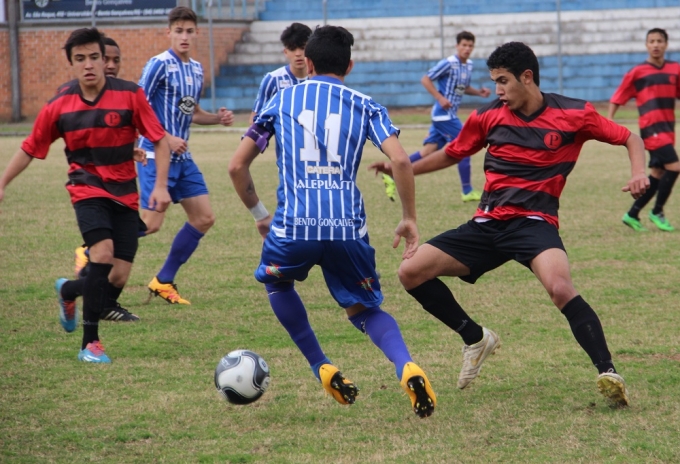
{"x":43,"y":63}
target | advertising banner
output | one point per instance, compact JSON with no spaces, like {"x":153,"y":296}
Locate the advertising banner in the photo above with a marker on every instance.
{"x":58,"y":10}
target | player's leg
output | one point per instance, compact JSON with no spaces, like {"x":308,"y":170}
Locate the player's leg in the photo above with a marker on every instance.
{"x":551,"y":267}
{"x":669,"y":158}
{"x":466,"y":253}
{"x":632,"y":217}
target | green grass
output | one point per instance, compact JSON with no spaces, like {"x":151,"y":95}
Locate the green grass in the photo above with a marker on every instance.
{"x":535,"y":400}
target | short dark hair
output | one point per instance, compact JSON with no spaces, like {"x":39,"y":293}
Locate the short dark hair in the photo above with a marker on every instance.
{"x":181,"y":13}
{"x":295,"y":36}
{"x":658,"y":30}
{"x":516,"y":57}
{"x":84,"y":36}
{"x":111,"y":42}
{"x":465,"y":35}
{"x":330,"y":49}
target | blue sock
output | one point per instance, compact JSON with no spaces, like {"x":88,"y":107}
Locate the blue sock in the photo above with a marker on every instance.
{"x":465,"y":173}
{"x":182,"y":248}
{"x":141,"y":233}
{"x":291,"y":313}
{"x":385,"y":334}
{"x":415,"y":157}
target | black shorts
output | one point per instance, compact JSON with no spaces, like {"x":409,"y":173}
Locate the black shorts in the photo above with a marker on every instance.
{"x":101,"y":219}
{"x":484,"y":246}
{"x":660,"y":157}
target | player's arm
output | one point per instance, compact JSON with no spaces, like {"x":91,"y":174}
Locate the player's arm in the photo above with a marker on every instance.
{"x":16,"y":166}
{"x":481,"y":92}
{"x":159,"y":200}
{"x":623,"y":93}
{"x":252,"y":144}
{"x":205,"y":118}
{"x":611,"y":111}
{"x":432,"y":90}
{"x":402,"y":172}
{"x":639,"y":182}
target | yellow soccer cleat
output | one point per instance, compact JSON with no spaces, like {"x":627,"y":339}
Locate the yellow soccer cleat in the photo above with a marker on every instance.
{"x":166,"y":291}
{"x":344,"y":391}
{"x":473,"y":195}
{"x":82,"y":258}
{"x":415,"y":383}
{"x":613,"y":388}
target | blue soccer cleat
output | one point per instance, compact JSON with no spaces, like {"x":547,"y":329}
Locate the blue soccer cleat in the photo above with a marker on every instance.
{"x":94,"y":353}
{"x":68,"y":312}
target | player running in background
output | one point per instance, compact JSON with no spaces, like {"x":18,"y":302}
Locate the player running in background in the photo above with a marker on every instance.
{"x":173,"y":83}
{"x":534,"y":140}
{"x":452,"y":77}
{"x":119,"y":276}
{"x":320,"y":128}
{"x":655,"y":84}
{"x":98,"y":118}
{"x":294,"y":38}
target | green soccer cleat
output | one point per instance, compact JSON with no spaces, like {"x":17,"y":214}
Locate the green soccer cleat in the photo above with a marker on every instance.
{"x":661,"y":222}
{"x":390,"y":187}
{"x":633,"y":223}
{"x":472,"y":195}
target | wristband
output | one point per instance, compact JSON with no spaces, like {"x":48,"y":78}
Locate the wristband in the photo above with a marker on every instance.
{"x":258,"y":211}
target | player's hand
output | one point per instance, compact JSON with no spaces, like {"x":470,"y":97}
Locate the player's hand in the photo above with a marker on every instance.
{"x":226,"y":116}
{"x":139,"y":155}
{"x":263,"y":226}
{"x":381,"y":166}
{"x":484,"y":92}
{"x":409,"y":230}
{"x":159,"y":199}
{"x":178,"y":145}
{"x":637,"y":185}
{"x":444,"y":102}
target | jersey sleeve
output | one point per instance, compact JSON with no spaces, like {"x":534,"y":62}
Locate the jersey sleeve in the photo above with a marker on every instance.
{"x":626,"y":89}
{"x":145,"y":119}
{"x":264,"y":93}
{"x":438,"y":70}
{"x":267,"y":116}
{"x":380,"y":127}
{"x":44,"y":132}
{"x":152,"y":75}
{"x":597,"y":127}
{"x":471,"y":139}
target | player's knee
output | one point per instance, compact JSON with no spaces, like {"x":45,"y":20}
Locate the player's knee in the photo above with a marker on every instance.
{"x":561,"y":291}
{"x":411,"y":275}
{"x":152,"y":229}
{"x":204,"y":222}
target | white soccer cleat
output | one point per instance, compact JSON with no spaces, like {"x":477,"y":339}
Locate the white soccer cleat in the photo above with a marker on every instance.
{"x":613,"y":388}
{"x":474,"y":356}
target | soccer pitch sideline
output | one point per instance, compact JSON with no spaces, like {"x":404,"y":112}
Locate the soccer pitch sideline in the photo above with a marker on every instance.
{"x":534,"y":401}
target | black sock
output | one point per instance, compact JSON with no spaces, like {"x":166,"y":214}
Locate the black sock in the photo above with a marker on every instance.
{"x":641,"y":202}
{"x":587,"y":329}
{"x":114,"y":293}
{"x":665,"y":188}
{"x":438,"y":300}
{"x":72,"y":289}
{"x":95,"y":293}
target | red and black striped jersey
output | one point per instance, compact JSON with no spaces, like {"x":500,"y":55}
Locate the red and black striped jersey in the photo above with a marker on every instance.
{"x":99,"y":136}
{"x":529,"y":157}
{"x":655,"y":90}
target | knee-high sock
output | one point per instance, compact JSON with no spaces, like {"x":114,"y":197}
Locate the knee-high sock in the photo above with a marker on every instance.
{"x":95,"y":295}
{"x":465,"y":173}
{"x":385,"y":334}
{"x":182,"y":248}
{"x":437,"y":299}
{"x":114,"y":293}
{"x":665,"y":188}
{"x":291,"y":313}
{"x":72,"y":289}
{"x":641,"y":202}
{"x":587,"y":329}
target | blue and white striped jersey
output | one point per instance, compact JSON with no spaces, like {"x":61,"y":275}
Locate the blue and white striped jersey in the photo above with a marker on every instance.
{"x":452,"y":78}
{"x":272,"y":82}
{"x":321,"y":127}
{"x":173,"y":89}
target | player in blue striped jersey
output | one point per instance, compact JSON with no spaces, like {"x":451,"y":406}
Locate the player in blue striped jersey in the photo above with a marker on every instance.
{"x":294,"y":38}
{"x":447,"y":82}
{"x":321,"y":127}
{"x":173,"y":83}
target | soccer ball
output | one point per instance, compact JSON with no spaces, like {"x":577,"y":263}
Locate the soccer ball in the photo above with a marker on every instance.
{"x":242,"y":377}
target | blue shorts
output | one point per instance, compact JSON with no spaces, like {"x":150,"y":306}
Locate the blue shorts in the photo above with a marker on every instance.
{"x":348,"y":267}
{"x":442,"y":132}
{"x":185,"y":180}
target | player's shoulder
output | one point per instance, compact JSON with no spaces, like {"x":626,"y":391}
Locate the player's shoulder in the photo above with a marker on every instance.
{"x":491,"y":106}
{"x":121,"y":85}
{"x":67,"y":88}
{"x":278,"y":72}
{"x":554,"y":100}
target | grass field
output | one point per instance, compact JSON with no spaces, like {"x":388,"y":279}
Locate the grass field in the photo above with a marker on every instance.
{"x":535,"y":400}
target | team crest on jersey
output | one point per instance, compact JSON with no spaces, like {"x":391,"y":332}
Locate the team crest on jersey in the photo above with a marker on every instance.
{"x":112,"y":119}
{"x":366,"y":283}
{"x":172,"y":67}
{"x":553,"y":140}
{"x":187,"y":105}
{"x":273,"y":270}
{"x":285,"y":83}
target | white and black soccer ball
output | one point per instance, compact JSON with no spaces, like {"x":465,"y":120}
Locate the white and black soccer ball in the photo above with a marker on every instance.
{"x":242,"y":376}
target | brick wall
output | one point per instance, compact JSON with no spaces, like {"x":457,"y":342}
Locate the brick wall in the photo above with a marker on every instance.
{"x":43,"y":63}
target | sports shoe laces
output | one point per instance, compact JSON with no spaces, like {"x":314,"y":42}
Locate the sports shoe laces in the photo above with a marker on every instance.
{"x":96,"y":348}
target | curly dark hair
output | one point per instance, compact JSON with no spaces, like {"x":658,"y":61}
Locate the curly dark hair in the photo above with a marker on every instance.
{"x":516,"y":57}
{"x":295,"y":36}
